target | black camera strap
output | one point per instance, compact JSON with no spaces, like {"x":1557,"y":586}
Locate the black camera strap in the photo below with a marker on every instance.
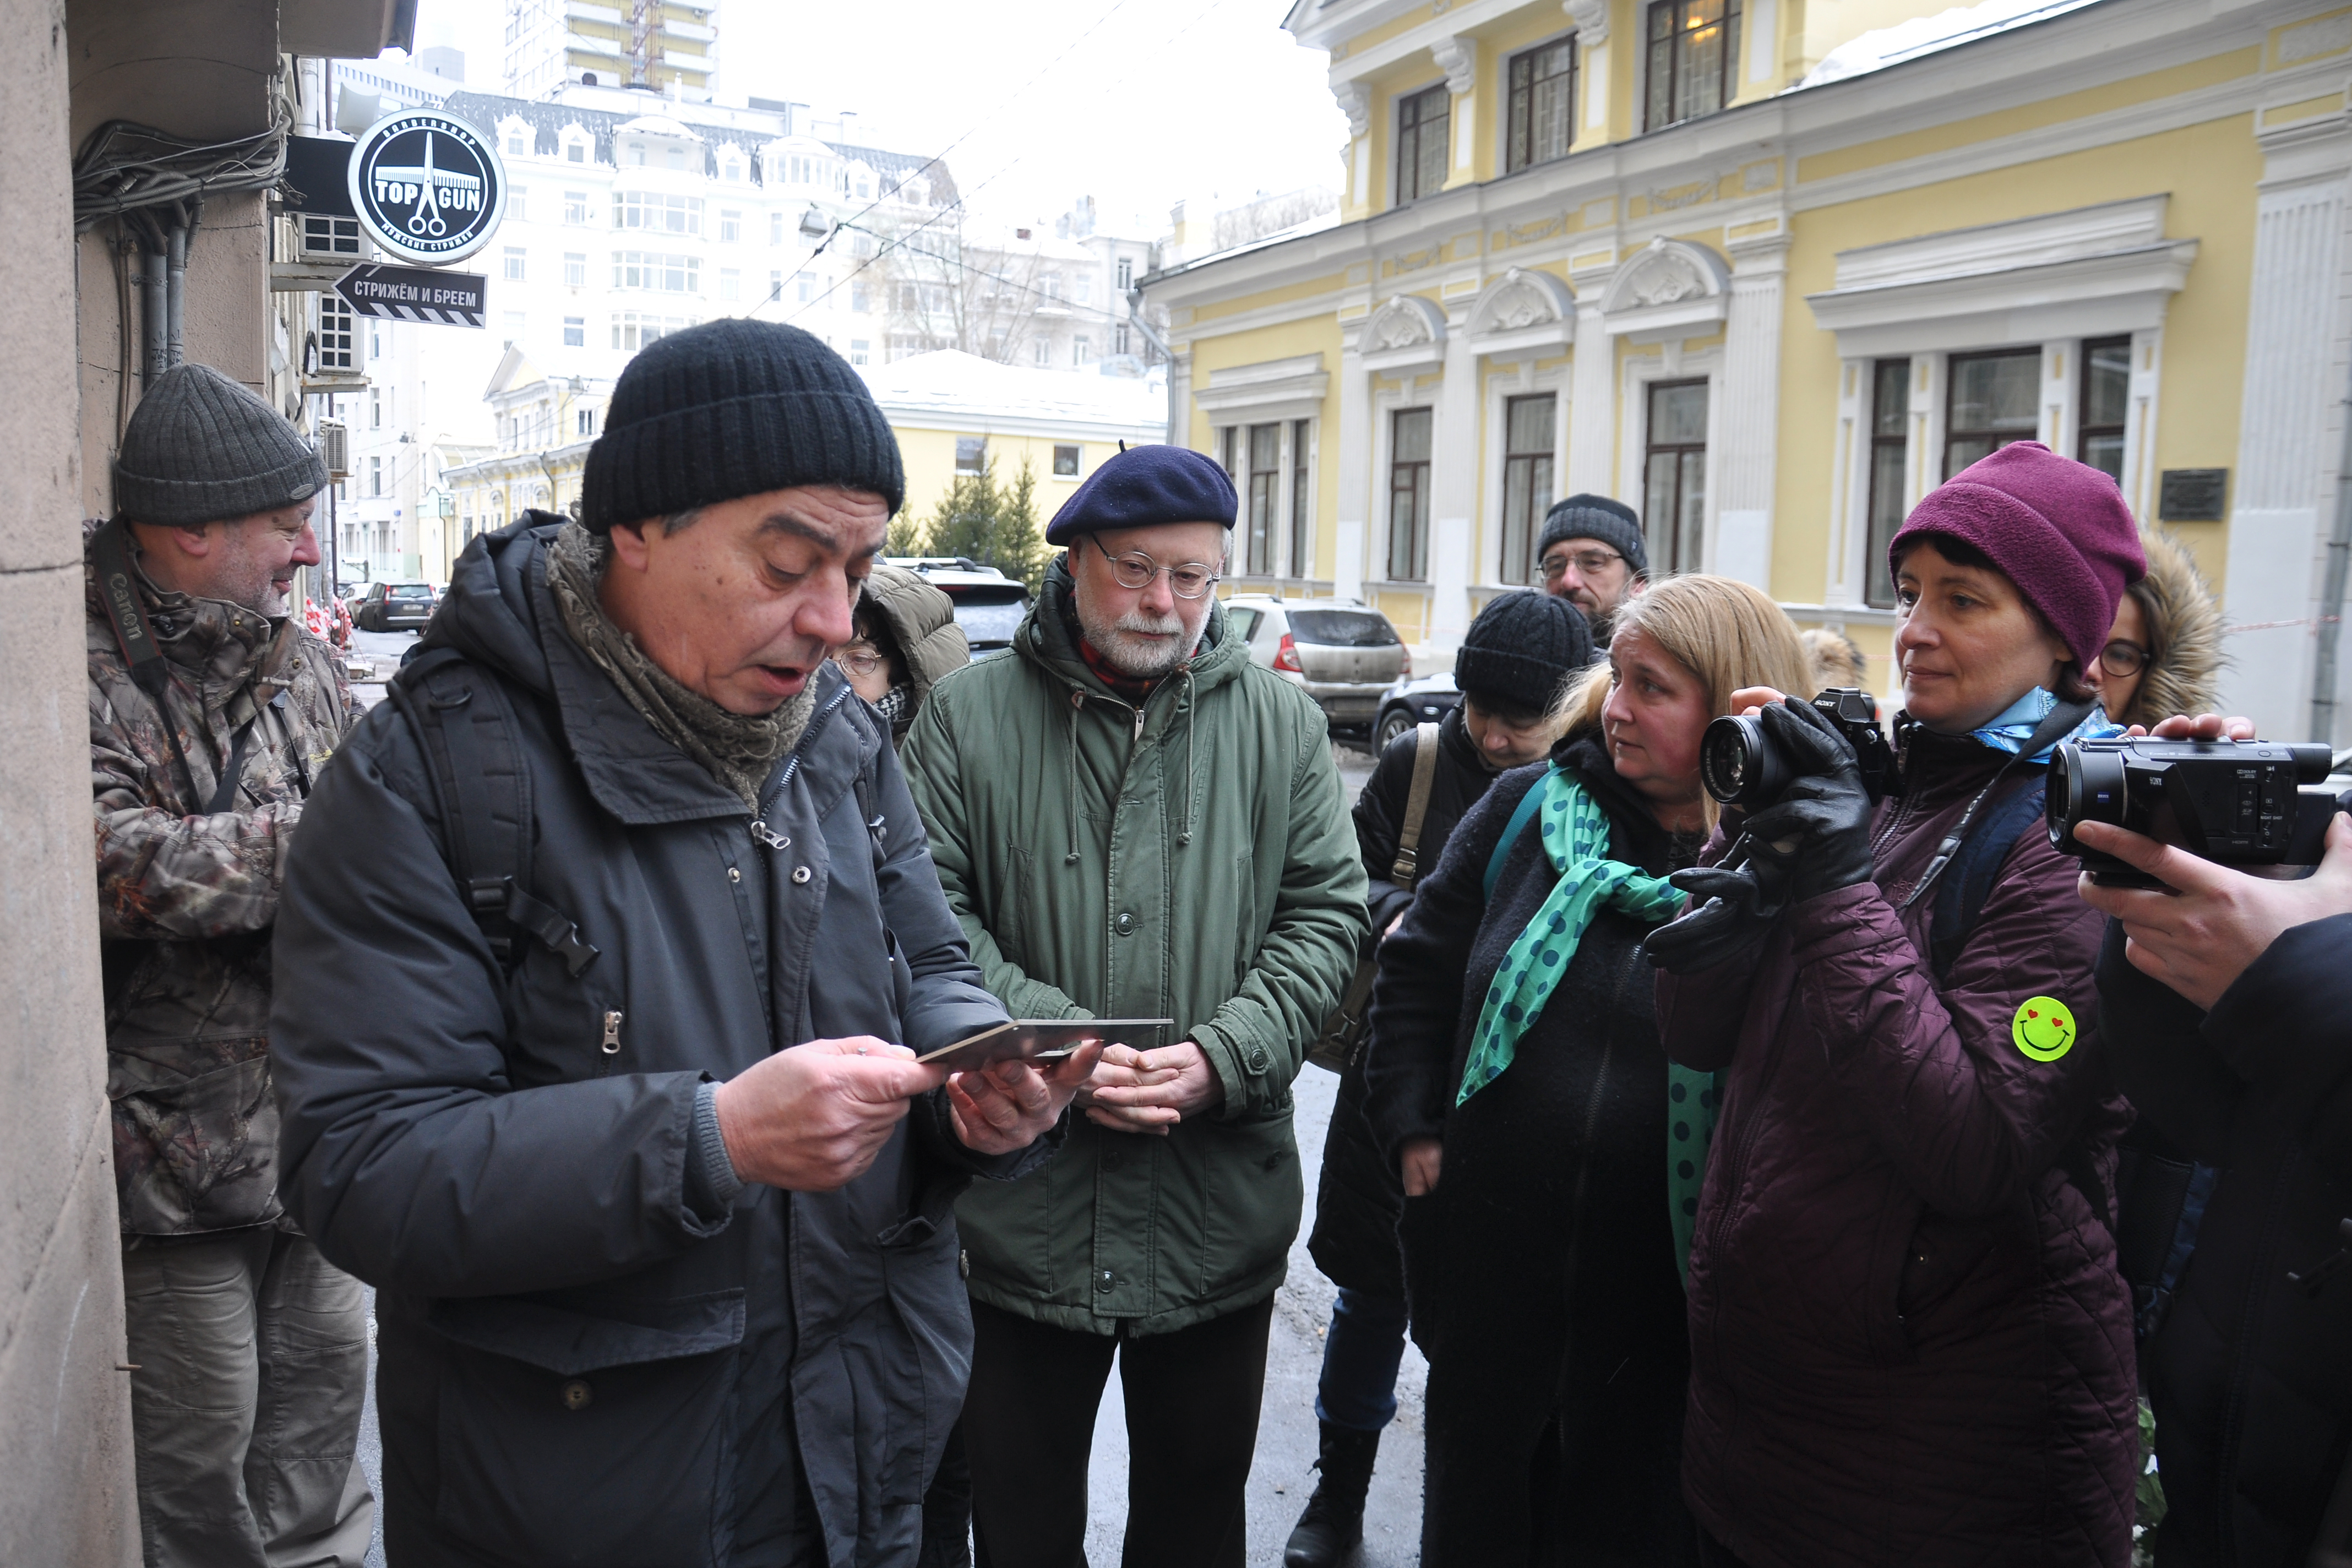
{"x":2057,"y":725}
{"x":117,"y":589}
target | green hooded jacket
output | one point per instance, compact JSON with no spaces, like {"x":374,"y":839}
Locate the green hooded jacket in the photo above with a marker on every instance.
{"x":1192,"y":860}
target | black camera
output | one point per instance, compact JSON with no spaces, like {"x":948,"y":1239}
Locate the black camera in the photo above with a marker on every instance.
{"x":1740,"y":765}
{"x":2239,"y":803}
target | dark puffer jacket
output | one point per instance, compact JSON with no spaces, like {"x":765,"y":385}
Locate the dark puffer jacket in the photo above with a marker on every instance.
{"x":1356,"y":1197}
{"x":2251,"y":1376}
{"x":581,"y":1364}
{"x":1541,"y":1268}
{"x":1908,"y":1340}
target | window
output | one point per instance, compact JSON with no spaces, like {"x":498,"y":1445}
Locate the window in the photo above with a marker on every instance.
{"x":1673,"y":495}
{"x":638,"y":155}
{"x":1542,"y":104}
{"x":375,"y":476}
{"x":584,"y":421}
{"x":634,"y":330}
{"x":517,"y":202}
{"x":1694,"y":58}
{"x":858,"y":298}
{"x":1126,"y":273}
{"x":335,"y":324}
{"x":1994,"y":401}
{"x":514,"y":264}
{"x":1527,"y":482}
{"x":1082,"y":288}
{"x":1066,"y":462}
{"x":1118,"y":341}
{"x":575,"y":151}
{"x":2106,"y":393}
{"x":375,"y":341}
{"x":860,"y":350}
{"x":676,"y":156}
{"x":808,"y":288}
{"x":514,"y":326}
{"x":1890,"y":420}
{"x":1409,"y":494}
{"x":1042,"y":353}
{"x":1051,"y":285}
{"x":1082,"y":348}
{"x":575,"y":269}
{"x":663,"y":214}
{"x":663,"y":274}
{"x":1265,"y":490}
{"x":732,"y":171}
{"x":972,"y":454}
{"x":323,"y":233}
{"x":517,"y":141}
{"x":730,"y":225}
{"x":1421,"y":144}
{"x":731,"y":283}
{"x":1302,"y":526}
{"x":575,"y":332}
{"x":775,"y":228}
{"x":575,"y":206}
{"x":375,"y":408}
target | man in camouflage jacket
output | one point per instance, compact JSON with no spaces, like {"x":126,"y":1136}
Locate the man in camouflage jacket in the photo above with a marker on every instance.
{"x":211,"y":710}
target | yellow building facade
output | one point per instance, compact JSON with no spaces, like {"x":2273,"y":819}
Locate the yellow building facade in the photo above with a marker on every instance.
{"x":1769,"y":270}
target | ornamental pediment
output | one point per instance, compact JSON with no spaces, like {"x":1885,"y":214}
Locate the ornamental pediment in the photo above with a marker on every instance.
{"x":1522,"y":308}
{"x":1406,"y":332}
{"x":1670,"y":288}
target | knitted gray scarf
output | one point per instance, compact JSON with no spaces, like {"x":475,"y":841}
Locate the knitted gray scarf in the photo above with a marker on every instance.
{"x":741,"y":750}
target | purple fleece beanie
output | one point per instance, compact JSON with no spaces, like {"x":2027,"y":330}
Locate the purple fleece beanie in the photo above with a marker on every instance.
{"x":2056,"y":528}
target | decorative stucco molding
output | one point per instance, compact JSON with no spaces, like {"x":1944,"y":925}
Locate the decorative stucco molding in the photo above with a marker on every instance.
{"x":1458,"y":59}
{"x":1668,"y":291}
{"x":1407,"y":333}
{"x":1356,"y":103}
{"x":1592,"y":20}
{"x":1521,"y":311}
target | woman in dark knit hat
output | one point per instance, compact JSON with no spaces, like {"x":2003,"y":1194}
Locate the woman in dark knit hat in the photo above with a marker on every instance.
{"x":1516,"y":1085}
{"x":1909,"y":1341}
{"x":1519,"y":655}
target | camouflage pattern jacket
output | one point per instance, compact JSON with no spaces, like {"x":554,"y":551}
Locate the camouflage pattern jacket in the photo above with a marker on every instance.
{"x":186,"y":897}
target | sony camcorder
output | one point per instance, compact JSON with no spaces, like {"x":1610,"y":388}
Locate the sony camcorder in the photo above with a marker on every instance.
{"x":2236,"y":803}
{"x":1741,"y":766}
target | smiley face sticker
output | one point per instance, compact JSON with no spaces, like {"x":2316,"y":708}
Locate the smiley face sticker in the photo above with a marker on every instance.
{"x":2044,"y":1028}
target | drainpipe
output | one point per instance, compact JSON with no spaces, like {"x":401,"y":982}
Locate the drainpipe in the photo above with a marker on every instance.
{"x":2331,"y":597}
{"x":176,"y":291}
{"x":152,"y":310}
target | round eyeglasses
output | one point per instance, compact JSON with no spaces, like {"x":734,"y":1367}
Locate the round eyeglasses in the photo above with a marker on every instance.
{"x":2123,"y":659}
{"x":1188,"y":580}
{"x":1589,"y":563}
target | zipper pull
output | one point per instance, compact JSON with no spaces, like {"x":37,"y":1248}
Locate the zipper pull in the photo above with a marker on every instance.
{"x":770,"y":837}
{"x":1139,"y":723}
{"x":611,"y":1042}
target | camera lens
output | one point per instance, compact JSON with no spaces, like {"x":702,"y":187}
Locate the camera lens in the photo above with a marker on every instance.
{"x":1736,"y":762}
{"x":2086,"y":784}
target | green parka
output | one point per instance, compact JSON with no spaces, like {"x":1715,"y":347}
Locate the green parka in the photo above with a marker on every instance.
{"x":1192,"y":859}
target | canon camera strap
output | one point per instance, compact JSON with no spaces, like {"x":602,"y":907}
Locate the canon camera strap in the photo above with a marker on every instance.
{"x":117,"y":588}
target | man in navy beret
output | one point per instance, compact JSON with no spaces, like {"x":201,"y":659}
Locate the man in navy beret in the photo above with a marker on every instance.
{"x":1134,"y":821}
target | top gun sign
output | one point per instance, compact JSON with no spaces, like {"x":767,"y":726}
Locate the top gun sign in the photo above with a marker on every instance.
{"x":427,"y":186}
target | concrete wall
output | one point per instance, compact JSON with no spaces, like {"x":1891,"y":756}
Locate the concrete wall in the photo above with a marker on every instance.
{"x":65,"y":1451}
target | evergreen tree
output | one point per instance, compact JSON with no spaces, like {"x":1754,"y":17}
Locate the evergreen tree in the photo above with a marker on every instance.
{"x":996,"y":525}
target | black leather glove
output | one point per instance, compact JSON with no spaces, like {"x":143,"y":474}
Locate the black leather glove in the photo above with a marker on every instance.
{"x":1817,"y":835}
{"x":1733,"y":907}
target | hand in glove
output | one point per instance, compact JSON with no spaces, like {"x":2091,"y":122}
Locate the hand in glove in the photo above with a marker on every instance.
{"x":1733,"y":905}
{"x":1817,"y":835}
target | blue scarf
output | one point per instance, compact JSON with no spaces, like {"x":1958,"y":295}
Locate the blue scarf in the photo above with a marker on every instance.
{"x":2015,"y":726}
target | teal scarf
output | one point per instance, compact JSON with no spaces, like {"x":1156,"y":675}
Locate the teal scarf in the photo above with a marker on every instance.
{"x":1575,"y":836}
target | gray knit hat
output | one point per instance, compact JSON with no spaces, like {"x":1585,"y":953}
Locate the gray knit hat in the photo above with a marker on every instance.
{"x":734,"y":408}
{"x":200,"y":448}
{"x":1597,"y":517}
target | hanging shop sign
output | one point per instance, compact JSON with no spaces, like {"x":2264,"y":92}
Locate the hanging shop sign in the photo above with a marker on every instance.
{"x":412,"y":294}
{"x":428,"y":187}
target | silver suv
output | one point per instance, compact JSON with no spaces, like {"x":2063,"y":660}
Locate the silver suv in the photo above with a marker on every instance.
{"x":1342,"y":654}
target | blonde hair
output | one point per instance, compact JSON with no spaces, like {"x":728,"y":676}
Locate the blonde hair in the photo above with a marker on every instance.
{"x":1835,"y":660}
{"x":1727,"y":633}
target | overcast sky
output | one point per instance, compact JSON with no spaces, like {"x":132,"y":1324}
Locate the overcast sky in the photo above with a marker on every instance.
{"x":1136,"y":103}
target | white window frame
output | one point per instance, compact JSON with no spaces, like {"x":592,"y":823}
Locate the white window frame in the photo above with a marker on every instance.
{"x":1502,"y":384}
{"x":1634,"y":397}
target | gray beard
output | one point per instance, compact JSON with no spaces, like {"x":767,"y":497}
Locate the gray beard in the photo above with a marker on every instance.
{"x":1138,"y":663}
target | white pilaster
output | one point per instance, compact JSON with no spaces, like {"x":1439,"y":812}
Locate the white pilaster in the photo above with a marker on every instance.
{"x":1749,"y":421}
{"x":1453,"y":491}
{"x":1355,"y":467}
{"x":1593,"y":413}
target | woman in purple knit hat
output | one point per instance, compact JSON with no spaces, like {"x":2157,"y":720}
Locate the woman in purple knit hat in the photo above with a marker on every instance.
{"x":1909,"y":1341}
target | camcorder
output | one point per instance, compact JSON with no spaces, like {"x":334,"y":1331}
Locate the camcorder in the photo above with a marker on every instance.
{"x":2236,"y":802}
{"x":1740,"y":765}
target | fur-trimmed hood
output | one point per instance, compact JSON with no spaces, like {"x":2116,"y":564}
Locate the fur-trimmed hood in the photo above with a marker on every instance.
{"x":2185,"y":678}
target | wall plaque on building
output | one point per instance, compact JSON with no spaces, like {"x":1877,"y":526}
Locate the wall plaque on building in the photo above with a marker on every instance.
{"x":2193,"y":495}
{"x":428,"y":187}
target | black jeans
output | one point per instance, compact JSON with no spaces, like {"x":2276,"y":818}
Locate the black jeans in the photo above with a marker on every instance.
{"x":1192,"y":1400}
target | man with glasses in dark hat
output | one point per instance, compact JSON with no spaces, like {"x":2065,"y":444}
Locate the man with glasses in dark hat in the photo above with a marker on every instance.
{"x":1591,"y":553}
{"x":1133,"y":820}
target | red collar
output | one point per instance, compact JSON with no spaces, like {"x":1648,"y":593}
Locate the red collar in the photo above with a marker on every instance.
{"x":1127,"y":686}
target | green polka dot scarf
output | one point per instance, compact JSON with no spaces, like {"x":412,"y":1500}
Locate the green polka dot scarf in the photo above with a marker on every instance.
{"x":1575,"y":836}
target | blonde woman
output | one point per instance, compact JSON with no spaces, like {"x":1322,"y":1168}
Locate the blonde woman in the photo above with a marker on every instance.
{"x":1515,"y":1083}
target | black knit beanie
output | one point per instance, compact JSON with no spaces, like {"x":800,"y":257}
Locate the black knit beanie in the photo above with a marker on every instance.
{"x":1613,"y":522}
{"x":1521,"y":650}
{"x":733,"y":408}
{"x":200,"y":448}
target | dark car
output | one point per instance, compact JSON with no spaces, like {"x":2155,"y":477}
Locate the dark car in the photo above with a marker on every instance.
{"x":397,"y":607}
{"x":988,"y":604}
{"x":1410,"y":703}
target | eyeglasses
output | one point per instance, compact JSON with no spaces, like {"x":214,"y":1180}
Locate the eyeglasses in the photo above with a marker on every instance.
{"x":1188,"y":580}
{"x":1589,"y":563}
{"x":861,"y":659}
{"x":2123,"y":659}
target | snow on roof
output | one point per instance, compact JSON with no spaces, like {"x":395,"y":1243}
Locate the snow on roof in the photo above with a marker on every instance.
{"x":656,"y":125}
{"x":1925,"y":35}
{"x":950,"y":385}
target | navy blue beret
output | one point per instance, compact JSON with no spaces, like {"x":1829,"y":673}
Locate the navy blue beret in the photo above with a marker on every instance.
{"x":1144,"y":486}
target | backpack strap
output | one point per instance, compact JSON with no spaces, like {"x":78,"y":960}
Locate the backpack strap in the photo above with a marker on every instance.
{"x":1512,"y":829}
{"x":1968,"y":879}
{"x":1407,"y":870}
{"x":466,"y":731}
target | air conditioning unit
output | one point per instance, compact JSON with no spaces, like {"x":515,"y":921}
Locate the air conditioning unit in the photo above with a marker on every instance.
{"x":335,"y":448}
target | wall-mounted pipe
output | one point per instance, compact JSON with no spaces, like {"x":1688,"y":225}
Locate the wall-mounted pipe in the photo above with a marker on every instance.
{"x":175,"y":293}
{"x":152,"y":311}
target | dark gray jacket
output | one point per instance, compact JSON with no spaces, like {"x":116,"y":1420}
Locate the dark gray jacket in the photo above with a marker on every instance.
{"x":577,"y":1366}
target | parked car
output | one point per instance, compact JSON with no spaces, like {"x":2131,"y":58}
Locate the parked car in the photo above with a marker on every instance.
{"x":1414,"y":702}
{"x":988,"y":604}
{"x":1344,"y":655}
{"x":397,"y":607}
